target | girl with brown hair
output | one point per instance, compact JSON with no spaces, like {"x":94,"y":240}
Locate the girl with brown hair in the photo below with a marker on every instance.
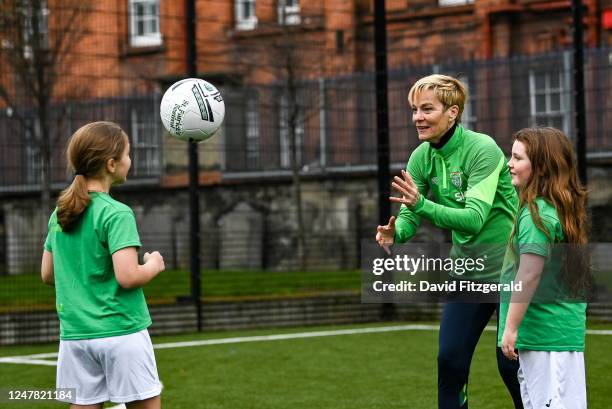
{"x":91,"y":258}
{"x":544,"y":324}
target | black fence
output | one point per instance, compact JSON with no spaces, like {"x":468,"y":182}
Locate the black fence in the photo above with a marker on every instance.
{"x":251,"y":245}
{"x":336,"y":120}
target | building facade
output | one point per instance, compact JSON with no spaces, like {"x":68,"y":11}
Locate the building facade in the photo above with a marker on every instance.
{"x":291,"y":73}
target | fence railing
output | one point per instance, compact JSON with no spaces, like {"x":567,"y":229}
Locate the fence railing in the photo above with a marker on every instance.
{"x":336,"y":120}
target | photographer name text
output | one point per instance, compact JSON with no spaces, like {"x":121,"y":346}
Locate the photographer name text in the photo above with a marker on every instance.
{"x":447,"y":286}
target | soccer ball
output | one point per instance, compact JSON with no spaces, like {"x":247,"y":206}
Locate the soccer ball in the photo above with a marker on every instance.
{"x":192,"y":109}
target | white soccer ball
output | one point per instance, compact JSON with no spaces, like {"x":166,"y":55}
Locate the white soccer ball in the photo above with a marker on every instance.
{"x":192,"y":109}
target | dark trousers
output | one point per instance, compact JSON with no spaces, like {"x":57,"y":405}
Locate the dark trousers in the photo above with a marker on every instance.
{"x":460,"y":329}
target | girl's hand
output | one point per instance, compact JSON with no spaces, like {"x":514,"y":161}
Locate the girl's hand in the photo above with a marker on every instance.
{"x":156,"y":259}
{"x":508,"y":344}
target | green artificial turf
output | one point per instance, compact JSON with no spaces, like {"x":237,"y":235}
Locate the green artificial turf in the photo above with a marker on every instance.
{"x":378,"y":370}
{"x":27,"y":292}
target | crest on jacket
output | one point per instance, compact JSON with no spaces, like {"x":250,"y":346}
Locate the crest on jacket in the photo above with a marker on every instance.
{"x":456,"y":179}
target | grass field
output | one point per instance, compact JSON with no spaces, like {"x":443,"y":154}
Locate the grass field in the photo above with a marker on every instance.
{"x":27,"y":292}
{"x":372,"y":370}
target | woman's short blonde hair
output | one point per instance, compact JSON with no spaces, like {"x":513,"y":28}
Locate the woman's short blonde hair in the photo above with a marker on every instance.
{"x":449,"y":91}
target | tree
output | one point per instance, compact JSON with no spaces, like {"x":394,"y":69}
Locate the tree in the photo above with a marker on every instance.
{"x":36,"y":44}
{"x":288,"y":61}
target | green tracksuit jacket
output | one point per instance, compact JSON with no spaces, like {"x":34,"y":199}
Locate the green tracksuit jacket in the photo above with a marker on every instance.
{"x":472,"y":194}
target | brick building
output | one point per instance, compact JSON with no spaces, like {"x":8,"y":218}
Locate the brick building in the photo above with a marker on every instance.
{"x":513,"y":54}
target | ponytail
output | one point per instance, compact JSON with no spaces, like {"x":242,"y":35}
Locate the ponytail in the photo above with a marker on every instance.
{"x":72,"y":203}
{"x":90,"y":147}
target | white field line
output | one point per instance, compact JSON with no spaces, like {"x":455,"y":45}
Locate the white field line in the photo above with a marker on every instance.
{"x":36,"y":359}
{"x":26,"y":361}
{"x":297,"y":335}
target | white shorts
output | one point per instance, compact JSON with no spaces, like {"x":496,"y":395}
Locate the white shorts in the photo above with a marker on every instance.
{"x":551,"y":379}
{"x":120,"y":369}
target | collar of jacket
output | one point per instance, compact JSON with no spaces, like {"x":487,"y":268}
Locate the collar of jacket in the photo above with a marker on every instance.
{"x":453,"y":144}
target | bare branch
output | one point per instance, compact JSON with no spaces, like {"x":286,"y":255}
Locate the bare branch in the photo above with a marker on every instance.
{"x":33,"y":55}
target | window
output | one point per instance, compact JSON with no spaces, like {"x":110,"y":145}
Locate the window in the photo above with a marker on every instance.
{"x":468,"y":118}
{"x":289,"y":12}
{"x":549,"y":99}
{"x":246,"y":19}
{"x":339,"y":41}
{"x":32,"y":157}
{"x":144,"y":23}
{"x":444,"y":3}
{"x":285,"y":143}
{"x":252,"y":133}
{"x":36,"y":22}
{"x":146,"y":143}
{"x":33,"y":164}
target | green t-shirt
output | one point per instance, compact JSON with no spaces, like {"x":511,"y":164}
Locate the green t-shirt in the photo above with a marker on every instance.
{"x":90,"y":302}
{"x":550,"y":325}
{"x":472,"y":194}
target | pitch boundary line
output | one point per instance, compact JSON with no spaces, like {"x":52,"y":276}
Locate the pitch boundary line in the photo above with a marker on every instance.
{"x":42,"y":359}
